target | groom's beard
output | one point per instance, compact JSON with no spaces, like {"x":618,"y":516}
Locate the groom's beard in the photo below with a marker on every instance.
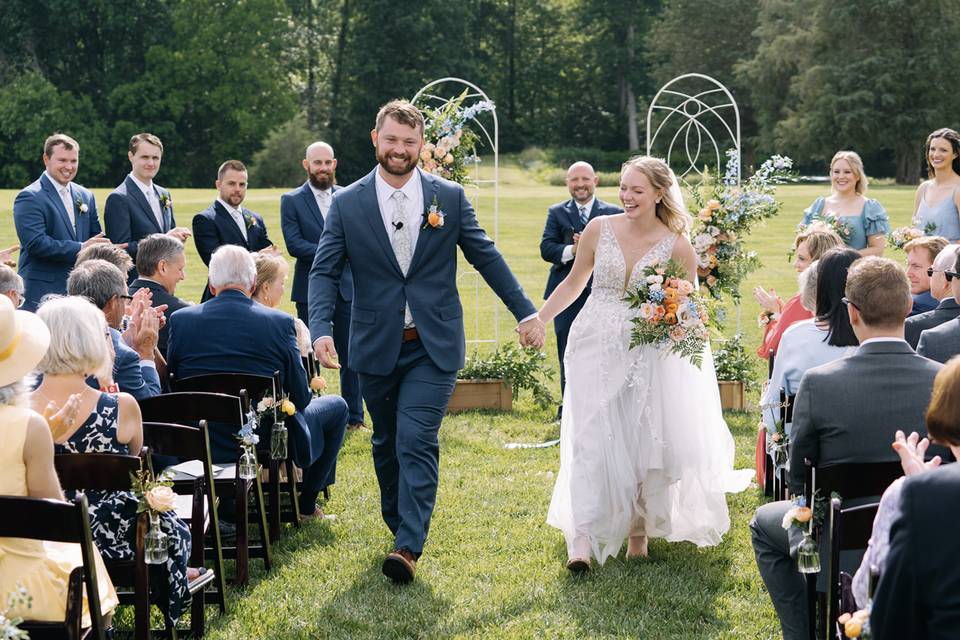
{"x":397,"y":164}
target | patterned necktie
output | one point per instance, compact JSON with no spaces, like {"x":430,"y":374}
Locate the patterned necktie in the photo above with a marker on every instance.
{"x":402,"y":246}
{"x":583,"y":215}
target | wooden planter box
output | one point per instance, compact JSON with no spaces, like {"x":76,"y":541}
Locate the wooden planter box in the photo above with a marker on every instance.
{"x":481,"y":394}
{"x":732,"y":395}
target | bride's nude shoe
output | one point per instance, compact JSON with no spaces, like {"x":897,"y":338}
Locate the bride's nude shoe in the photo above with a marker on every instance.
{"x":580,"y":562}
{"x":637,"y":548}
{"x":578,"y":566}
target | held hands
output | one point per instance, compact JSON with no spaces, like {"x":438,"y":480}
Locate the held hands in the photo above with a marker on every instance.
{"x":532,"y":332}
{"x":325,"y":352}
{"x":911,"y":450}
{"x":768,"y":301}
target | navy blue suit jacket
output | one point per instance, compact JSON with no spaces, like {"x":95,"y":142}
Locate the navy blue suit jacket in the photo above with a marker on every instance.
{"x":302,"y":225}
{"x":140,"y":381}
{"x":48,"y":242}
{"x":127,"y":217}
{"x":355,"y":231}
{"x":563,"y":220}
{"x":214,"y":227}
{"x":233,"y":334}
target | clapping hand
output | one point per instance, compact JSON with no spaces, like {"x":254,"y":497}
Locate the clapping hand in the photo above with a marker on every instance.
{"x":180,"y":233}
{"x":532,"y":332}
{"x":911,"y":450}
{"x":62,"y":419}
{"x":768,"y":301}
{"x":6,"y":256}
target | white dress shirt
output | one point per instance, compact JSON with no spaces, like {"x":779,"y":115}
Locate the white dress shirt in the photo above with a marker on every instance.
{"x":151,"y":195}
{"x":237,"y":217}
{"x":66,"y":197}
{"x":324,"y":198}
{"x":567,"y":254}
{"x":413,"y":190}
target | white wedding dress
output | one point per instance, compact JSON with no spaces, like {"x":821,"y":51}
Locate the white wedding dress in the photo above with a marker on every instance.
{"x":644,"y":449}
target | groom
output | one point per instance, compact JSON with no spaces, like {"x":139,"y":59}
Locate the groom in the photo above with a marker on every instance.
{"x":399,"y":228}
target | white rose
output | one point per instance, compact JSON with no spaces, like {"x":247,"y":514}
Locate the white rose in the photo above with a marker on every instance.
{"x":655,"y":286}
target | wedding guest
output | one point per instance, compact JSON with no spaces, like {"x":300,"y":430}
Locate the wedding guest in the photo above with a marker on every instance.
{"x":134,"y":368}
{"x":846,"y":411}
{"x":226,"y":221}
{"x":109,"y":252}
{"x":943,"y":341}
{"x":822,"y":339}
{"x":777,"y":315}
{"x":139,"y":206}
{"x":863,"y":220}
{"x":11,"y":285}
{"x":26,"y":469}
{"x":160,"y":263}
{"x":920,"y":256}
{"x":268,"y":290}
{"x":558,"y":246}
{"x":55,"y":218}
{"x":303,"y":213}
{"x":941,"y":291}
{"x":6,"y":256}
{"x":233,"y":334}
{"x":937,"y":203}
{"x":917,"y":594}
{"x":104,"y":423}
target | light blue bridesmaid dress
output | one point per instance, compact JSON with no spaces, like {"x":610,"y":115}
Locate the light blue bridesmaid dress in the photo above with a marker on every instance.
{"x":871,"y":221}
{"x":943,"y":216}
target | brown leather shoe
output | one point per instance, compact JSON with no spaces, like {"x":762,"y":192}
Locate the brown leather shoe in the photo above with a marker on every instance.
{"x":400,"y":566}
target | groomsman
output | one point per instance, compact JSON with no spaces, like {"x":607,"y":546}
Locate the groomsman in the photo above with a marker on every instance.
{"x":54,"y":218}
{"x":561,"y":235}
{"x":303,"y":212}
{"x":226,"y":221}
{"x":139,"y":206}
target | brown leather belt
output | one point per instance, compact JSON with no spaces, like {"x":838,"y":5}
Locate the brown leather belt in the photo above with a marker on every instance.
{"x":410,"y":333}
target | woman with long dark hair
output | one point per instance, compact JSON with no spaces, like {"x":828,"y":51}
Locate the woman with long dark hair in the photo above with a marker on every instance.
{"x":937,"y":203}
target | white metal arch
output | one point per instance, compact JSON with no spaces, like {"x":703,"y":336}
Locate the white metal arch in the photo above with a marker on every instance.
{"x":689,"y":109}
{"x":430,"y":93}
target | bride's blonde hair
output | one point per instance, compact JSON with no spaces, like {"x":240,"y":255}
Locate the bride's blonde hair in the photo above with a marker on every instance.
{"x":669,"y":211}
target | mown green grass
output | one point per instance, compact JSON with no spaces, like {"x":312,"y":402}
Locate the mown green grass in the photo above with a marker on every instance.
{"x":492,"y":568}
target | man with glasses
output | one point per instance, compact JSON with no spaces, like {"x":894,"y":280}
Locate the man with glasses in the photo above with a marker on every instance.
{"x":920,"y":255}
{"x":942,"y":342}
{"x":11,"y":285}
{"x":940,"y":288}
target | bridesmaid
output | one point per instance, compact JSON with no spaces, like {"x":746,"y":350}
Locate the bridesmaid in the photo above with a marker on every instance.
{"x":937,"y":203}
{"x":865,"y":219}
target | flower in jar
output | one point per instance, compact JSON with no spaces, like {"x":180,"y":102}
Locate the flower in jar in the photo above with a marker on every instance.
{"x":160,"y":498}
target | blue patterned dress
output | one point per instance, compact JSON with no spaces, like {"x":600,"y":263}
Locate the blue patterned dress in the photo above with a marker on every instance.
{"x":113,"y":514}
{"x":871,"y":221}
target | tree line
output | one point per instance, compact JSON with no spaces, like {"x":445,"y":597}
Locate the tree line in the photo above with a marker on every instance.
{"x":255,"y":79}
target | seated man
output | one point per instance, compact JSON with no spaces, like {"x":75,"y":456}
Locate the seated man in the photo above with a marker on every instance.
{"x":846,"y":411}
{"x":943,"y":341}
{"x":920,"y":254}
{"x":940,"y":289}
{"x":134,"y":365}
{"x":160,"y":263}
{"x":231,"y":333}
{"x":11,"y":285}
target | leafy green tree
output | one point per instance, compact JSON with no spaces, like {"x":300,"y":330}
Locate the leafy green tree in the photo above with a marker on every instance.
{"x":278,"y":163}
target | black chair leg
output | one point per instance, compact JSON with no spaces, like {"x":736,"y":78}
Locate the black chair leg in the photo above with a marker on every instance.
{"x":262,"y":525}
{"x":292,"y":491}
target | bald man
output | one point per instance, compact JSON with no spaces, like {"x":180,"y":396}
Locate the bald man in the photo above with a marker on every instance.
{"x":565,"y":222}
{"x":302,"y":215}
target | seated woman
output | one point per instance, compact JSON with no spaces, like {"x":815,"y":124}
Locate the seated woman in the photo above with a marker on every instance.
{"x":271,"y":281}
{"x":26,"y":469}
{"x":104,"y":423}
{"x":864,"y":220}
{"x":822,"y":339}
{"x":943,"y":427}
{"x":810,"y":244}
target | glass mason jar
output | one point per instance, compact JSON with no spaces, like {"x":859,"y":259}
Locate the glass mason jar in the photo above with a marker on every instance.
{"x":808,"y":555}
{"x":155,"y":544}
{"x":247,"y":468}
{"x":278,"y":441}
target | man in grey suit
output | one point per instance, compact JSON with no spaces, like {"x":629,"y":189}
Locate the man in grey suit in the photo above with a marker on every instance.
{"x":941,"y":288}
{"x":943,"y":341}
{"x":846,"y":411}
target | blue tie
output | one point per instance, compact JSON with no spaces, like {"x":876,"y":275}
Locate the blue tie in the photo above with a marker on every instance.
{"x":583,"y":215}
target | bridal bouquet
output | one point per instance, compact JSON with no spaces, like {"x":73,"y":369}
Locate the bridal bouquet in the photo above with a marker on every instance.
{"x":671,"y":314}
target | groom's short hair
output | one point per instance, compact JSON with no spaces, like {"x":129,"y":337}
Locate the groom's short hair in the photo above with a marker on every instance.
{"x":879,"y":289}
{"x":401,"y":111}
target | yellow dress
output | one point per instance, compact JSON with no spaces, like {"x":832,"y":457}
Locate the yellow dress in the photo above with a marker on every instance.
{"x":43,"y":568}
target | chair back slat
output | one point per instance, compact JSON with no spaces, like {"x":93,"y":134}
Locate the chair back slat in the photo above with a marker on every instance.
{"x":254,"y":386}
{"x":192,"y":407}
{"x":854,"y":525}
{"x":95,"y":471}
{"x":853,"y":479}
{"x":177,"y":440}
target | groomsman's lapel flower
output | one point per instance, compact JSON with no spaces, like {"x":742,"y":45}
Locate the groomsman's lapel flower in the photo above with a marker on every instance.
{"x":165,"y":201}
{"x":249,"y":219}
{"x":81,"y":205}
{"x":433,"y":216}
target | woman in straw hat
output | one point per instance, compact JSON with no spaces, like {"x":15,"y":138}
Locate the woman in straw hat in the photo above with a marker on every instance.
{"x":26,"y":469}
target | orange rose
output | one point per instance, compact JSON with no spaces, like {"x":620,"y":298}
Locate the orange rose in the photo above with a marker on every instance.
{"x":434,"y":219}
{"x":670,"y":318}
{"x":713,"y":205}
{"x":803,"y":514}
{"x":317,"y":383}
{"x":672,"y":307}
{"x":658,"y":313}
{"x":671,"y":295}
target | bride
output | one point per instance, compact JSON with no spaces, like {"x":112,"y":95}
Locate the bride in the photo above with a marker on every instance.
{"x":644,"y":449}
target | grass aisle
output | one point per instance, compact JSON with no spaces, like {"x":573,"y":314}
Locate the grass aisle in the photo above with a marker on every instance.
{"x":492,"y":567}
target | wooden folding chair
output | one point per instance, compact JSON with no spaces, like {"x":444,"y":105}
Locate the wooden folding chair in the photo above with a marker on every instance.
{"x":59,"y":521}
{"x":252,"y":388}
{"x":191,"y":443}
{"x":848,"y":529}
{"x":224,"y":412}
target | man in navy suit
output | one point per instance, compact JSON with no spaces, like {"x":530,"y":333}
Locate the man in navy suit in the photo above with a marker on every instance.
{"x":558,"y":246}
{"x":55,"y":218}
{"x":139,"y":206}
{"x":302,"y":214}
{"x":160,"y":263}
{"x":399,"y":228}
{"x":231,"y":333}
{"x":226,"y":221}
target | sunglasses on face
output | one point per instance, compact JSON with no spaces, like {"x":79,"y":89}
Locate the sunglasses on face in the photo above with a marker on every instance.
{"x":949,"y":275}
{"x":845,"y":300}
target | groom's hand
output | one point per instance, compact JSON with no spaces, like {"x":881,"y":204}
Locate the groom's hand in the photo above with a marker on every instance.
{"x":325,"y":352}
{"x":532,"y":332}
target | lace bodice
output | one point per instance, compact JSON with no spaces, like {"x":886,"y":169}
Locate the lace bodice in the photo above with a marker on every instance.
{"x":610,"y":267}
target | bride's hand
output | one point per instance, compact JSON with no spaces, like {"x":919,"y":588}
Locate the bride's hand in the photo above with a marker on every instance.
{"x":768,"y":301}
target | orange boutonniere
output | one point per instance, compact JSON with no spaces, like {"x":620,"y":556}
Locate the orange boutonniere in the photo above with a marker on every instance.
{"x":433,"y":216}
